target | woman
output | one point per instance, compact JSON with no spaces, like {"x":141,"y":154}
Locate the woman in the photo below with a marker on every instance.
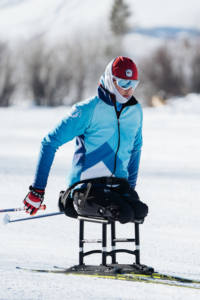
{"x":108,"y":131}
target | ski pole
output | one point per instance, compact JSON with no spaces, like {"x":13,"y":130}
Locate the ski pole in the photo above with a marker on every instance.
{"x":7,"y":220}
{"x":42,"y":207}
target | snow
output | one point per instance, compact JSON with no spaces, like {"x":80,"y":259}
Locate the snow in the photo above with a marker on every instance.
{"x":168,"y":182}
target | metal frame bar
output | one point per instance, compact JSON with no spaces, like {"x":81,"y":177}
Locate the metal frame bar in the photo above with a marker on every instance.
{"x":137,"y":243}
{"x":113,"y":242}
{"x":81,"y":244}
{"x":104,"y":252}
{"x":104,"y":244}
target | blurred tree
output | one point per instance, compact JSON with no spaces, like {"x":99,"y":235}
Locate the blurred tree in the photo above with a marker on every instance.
{"x":195,"y":67}
{"x":68,"y":72}
{"x":7,"y":85}
{"x":163,"y":72}
{"x":87,"y":64}
{"x":46,"y":74}
{"x":118,"y":18}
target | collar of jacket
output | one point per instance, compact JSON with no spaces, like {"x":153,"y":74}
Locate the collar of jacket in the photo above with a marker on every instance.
{"x":110,"y":99}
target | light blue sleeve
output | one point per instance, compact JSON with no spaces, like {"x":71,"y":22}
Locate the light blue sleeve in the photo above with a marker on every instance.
{"x":74,"y":124}
{"x":134,"y":162}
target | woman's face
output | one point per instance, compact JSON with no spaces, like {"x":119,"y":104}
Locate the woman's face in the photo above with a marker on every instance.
{"x":124,"y":93}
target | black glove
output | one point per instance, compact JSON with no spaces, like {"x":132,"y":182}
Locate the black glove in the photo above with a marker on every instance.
{"x":129,"y":194}
{"x":140,"y":209}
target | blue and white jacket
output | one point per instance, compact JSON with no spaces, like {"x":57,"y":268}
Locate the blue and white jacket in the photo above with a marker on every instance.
{"x":108,"y":140}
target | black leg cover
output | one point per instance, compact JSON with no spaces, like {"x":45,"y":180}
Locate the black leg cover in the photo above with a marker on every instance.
{"x":67,"y":206}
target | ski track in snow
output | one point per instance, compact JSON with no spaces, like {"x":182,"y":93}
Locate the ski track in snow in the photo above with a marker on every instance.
{"x":168,"y":182}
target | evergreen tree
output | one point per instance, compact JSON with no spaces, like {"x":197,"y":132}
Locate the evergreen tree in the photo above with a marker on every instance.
{"x":118,"y":18}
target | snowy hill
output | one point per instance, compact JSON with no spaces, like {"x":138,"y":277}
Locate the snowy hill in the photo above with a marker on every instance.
{"x":28,"y":18}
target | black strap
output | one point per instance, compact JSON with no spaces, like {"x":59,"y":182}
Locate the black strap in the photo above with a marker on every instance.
{"x":107,"y":180}
{"x":82,"y":197}
{"x":100,"y":180}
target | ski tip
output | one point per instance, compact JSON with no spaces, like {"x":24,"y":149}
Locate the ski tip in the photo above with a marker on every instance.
{"x":6,"y":219}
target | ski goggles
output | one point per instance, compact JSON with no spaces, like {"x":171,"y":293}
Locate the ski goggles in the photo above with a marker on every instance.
{"x":126,"y":84}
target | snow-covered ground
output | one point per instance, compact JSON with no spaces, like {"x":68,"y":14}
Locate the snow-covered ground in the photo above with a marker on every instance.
{"x":168,"y":182}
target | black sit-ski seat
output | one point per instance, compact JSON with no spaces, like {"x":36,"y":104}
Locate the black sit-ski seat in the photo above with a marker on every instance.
{"x":114,"y":267}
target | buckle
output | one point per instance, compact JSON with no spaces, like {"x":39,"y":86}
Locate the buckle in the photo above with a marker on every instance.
{"x":109,"y":180}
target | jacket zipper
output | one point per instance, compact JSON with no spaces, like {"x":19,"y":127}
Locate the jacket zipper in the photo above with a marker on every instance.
{"x":118,"y":123}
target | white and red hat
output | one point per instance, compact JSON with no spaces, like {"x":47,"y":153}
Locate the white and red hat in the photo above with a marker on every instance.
{"x":124,"y":68}
{"x":120,"y":67}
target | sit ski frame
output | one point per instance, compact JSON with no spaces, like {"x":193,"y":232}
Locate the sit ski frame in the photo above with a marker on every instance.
{"x":114,"y":240}
{"x":134,"y":272}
